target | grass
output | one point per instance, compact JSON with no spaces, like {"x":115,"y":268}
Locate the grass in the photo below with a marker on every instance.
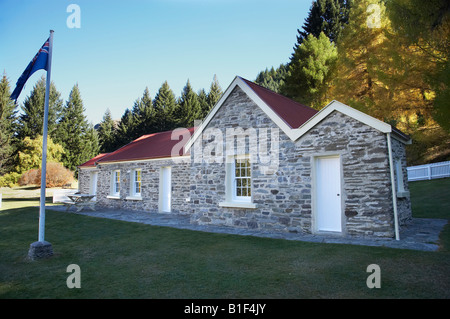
{"x":128,"y":260}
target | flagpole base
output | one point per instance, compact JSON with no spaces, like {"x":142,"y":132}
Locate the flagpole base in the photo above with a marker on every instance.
{"x":40,"y":250}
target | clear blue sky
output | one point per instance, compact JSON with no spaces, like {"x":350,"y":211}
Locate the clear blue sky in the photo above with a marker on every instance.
{"x":124,"y":46}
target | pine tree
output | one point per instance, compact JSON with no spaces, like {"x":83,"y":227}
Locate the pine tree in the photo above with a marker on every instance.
{"x":32,"y":118}
{"x":124,"y":130}
{"x":310,"y":71}
{"x":106,"y":133}
{"x":165,"y":105}
{"x":203,"y":100}
{"x":143,"y":112}
{"x":215,"y":93}
{"x":190,"y":108}
{"x":72,"y":132}
{"x":272,"y":79}
{"x":7,"y":127}
{"x":327,"y":16}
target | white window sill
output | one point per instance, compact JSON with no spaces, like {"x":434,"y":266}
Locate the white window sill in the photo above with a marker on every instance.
{"x":133,"y":197}
{"x":113,"y":196}
{"x":238,"y":204}
{"x":402,"y":194}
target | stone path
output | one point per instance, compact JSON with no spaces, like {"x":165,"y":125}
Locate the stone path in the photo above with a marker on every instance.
{"x":422,"y":234}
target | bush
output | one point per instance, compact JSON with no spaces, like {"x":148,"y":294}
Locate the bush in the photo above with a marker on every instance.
{"x":30,"y":178}
{"x":57,"y":176}
{"x":9,"y":180}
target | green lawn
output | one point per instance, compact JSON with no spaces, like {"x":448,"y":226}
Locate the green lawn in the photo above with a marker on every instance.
{"x":127,"y":260}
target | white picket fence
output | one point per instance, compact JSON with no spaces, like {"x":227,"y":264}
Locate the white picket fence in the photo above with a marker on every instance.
{"x":428,"y":171}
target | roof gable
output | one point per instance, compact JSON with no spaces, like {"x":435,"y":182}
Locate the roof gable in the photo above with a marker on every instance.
{"x":293,"y":118}
{"x":286,"y":113}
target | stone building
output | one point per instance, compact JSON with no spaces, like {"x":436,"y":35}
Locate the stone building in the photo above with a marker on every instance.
{"x":260,"y":160}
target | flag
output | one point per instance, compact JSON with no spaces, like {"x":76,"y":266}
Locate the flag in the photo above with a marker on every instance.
{"x":40,"y":61}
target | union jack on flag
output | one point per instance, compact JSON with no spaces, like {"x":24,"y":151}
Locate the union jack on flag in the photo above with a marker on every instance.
{"x":40,"y":61}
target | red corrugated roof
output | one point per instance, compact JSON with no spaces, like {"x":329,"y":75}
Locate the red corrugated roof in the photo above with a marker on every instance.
{"x":156,"y":145}
{"x":293,"y":113}
{"x":91,"y":162}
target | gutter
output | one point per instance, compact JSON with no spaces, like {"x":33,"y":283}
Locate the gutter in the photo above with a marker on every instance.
{"x":394,"y":194}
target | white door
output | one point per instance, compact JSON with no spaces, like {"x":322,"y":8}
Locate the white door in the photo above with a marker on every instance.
{"x":328,"y":194}
{"x":166,"y":189}
{"x":93,"y":185}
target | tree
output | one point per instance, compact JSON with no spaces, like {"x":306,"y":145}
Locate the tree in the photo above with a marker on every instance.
{"x":272,"y":79}
{"x":31,"y":155}
{"x":327,"y":16}
{"x":106,"y":133}
{"x":165,"y":105}
{"x":360,"y":48}
{"x":32,"y":118}
{"x":215,"y":93}
{"x":72,"y":132}
{"x":203,"y":100}
{"x":190,"y":108}
{"x":425,"y":29}
{"x":7,"y":127}
{"x":143,"y":112}
{"x":310,"y":71}
{"x":124,"y":130}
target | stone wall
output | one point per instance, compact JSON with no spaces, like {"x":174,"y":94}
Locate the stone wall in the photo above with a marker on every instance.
{"x":403,"y":196}
{"x":150,"y":182}
{"x":283,"y":191}
{"x":84,"y":178}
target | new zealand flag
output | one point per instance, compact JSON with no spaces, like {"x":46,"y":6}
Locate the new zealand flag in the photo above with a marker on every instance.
{"x":40,"y":61}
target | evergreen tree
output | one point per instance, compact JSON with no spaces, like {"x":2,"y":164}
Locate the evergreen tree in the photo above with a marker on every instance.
{"x":327,"y":16}
{"x":92,"y":143}
{"x":310,"y":71}
{"x":215,"y":93}
{"x":272,"y":79}
{"x":124,"y":130}
{"x":203,"y":101}
{"x":32,"y":118}
{"x":106,"y":133}
{"x":72,"y":132}
{"x":7,"y":127}
{"x":143,"y":113}
{"x":190,"y":108}
{"x":165,"y":106}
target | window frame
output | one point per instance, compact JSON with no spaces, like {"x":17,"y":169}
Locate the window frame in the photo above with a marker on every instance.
{"x":134,"y":182}
{"x":231,"y":197}
{"x":238,"y":179}
{"x":115,"y":183}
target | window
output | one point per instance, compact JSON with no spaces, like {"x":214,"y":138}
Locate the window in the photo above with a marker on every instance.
{"x":238,"y":181}
{"x":136,"y":183}
{"x":242,"y":180}
{"x":116,"y":183}
{"x":401,"y":192}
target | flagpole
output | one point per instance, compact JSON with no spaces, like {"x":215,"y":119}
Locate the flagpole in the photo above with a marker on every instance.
{"x":44,"y":143}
